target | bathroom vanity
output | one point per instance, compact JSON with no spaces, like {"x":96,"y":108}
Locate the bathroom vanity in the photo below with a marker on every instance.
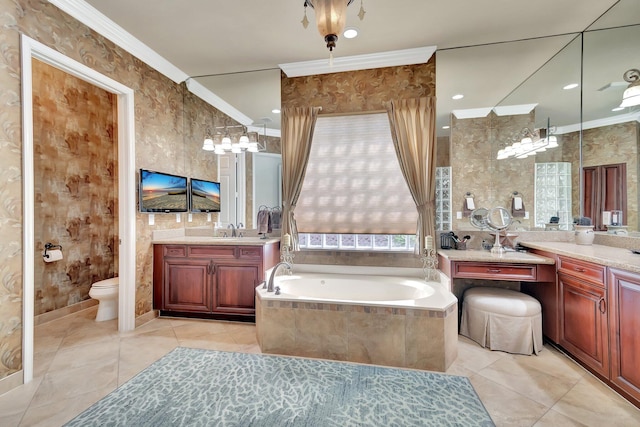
{"x":590,"y":297}
{"x":212,"y":278}
{"x":594,"y":306}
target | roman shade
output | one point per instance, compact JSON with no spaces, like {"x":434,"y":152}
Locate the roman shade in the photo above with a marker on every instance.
{"x":353,"y":182}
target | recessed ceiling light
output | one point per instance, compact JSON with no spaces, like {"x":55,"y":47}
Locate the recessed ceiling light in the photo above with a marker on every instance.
{"x":445,"y":127}
{"x":571,"y":86}
{"x":276,"y":111}
{"x":350,"y":33}
{"x":617,"y":109}
{"x":458,"y":96}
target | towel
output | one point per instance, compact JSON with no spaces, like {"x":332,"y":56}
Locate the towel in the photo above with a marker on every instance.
{"x":469,"y":206}
{"x":276,"y":220}
{"x":517,"y":207}
{"x":264,"y":222}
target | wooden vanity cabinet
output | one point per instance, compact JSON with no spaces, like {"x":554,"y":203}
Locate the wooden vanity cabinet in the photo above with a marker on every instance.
{"x":584,"y":329}
{"x":624,"y":297}
{"x":210,"y":281}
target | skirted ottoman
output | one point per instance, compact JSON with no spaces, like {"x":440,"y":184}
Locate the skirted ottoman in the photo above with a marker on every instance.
{"x":502,"y":319}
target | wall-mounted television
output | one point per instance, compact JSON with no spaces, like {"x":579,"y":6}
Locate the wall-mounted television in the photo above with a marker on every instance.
{"x":163,"y":192}
{"x":205,"y":196}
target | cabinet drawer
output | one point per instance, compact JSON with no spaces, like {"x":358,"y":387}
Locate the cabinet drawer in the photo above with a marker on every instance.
{"x":212,"y":251}
{"x":582,"y":269}
{"x":250,"y":252}
{"x":175,"y":250}
{"x":497,"y":271}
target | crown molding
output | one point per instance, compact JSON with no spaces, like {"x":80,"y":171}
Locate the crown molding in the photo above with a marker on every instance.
{"x":471,"y":113}
{"x":393,"y":58}
{"x":598,"y":123}
{"x":514,"y":110}
{"x":91,"y":17}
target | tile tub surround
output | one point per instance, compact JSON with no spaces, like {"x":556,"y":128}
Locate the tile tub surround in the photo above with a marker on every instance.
{"x":359,"y":331}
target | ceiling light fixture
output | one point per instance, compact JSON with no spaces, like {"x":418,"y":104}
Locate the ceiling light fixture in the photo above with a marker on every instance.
{"x":527,"y":143}
{"x":276,"y":111}
{"x":631,"y":95}
{"x":571,"y":86}
{"x":350,"y":33}
{"x":331,"y":18}
{"x":234,"y":142}
{"x":458,"y":96}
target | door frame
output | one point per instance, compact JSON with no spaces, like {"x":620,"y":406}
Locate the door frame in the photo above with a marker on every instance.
{"x":32,"y":49}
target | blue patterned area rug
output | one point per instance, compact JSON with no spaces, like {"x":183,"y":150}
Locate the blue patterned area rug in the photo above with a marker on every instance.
{"x":192,"y":387}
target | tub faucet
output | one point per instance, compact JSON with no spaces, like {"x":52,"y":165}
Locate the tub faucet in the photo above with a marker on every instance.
{"x":273,"y":274}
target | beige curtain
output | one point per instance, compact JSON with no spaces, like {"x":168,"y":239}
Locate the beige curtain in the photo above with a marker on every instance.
{"x":413,"y":130}
{"x":297,"y":131}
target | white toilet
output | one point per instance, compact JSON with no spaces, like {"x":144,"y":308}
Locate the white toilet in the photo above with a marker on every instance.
{"x":106,"y":292}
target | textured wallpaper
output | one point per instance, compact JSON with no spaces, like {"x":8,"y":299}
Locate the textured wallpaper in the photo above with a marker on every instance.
{"x":170,"y":124}
{"x":75,"y":171}
{"x":474,"y":146}
{"x":358,"y":91}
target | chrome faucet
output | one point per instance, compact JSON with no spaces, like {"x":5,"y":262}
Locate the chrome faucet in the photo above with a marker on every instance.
{"x":273,"y":273}
{"x":233,"y":230}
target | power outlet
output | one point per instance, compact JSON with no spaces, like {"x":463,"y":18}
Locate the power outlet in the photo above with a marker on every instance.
{"x":526,"y":214}
{"x":458,"y":215}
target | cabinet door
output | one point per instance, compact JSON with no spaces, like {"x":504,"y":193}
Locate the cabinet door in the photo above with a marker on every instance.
{"x":625,"y":330}
{"x":583,"y":322}
{"x":187,"y":285}
{"x":235,"y":287}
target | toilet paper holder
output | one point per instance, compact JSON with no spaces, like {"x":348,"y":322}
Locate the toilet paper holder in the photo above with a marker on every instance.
{"x":50,"y":246}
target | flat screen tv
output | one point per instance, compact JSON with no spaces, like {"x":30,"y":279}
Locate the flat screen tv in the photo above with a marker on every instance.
{"x":205,"y":196}
{"x":163,"y":192}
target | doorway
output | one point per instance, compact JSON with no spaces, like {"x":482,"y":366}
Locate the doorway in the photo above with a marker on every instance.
{"x":32,"y":49}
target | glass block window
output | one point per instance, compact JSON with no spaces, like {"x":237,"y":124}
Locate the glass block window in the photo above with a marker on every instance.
{"x":553,"y":194}
{"x":362,"y":242}
{"x":443,"y":198}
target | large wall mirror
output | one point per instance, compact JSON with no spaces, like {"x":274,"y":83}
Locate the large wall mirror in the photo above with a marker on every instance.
{"x":590,"y":166}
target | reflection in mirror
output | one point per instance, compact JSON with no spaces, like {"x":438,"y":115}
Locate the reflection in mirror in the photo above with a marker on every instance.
{"x":611,"y":134}
{"x":552,"y":94}
{"x":499,"y":218}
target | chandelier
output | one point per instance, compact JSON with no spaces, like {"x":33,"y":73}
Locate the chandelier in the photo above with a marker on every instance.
{"x":631,"y":96}
{"x":527,"y":143}
{"x":227,"y":139}
{"x":331,"y":18}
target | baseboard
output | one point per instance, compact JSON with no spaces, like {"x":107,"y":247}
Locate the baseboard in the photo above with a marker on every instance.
{"x":64,"y":311}
{"x":147,"y":317}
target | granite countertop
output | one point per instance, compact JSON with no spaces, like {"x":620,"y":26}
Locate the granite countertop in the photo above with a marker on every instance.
{"x":599,"y":254}
{"x":216,"y":241}
{"x":487,"y":256}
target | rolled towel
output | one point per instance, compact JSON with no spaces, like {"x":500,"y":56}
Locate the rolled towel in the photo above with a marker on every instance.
{"x":517,"y":207}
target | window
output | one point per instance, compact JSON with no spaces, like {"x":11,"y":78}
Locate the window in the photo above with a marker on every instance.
{"x":354,"y":195}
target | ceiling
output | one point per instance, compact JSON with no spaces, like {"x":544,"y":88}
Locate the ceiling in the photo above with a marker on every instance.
{"x":233,"y":48}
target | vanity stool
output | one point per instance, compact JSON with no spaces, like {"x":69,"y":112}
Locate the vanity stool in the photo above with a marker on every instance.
{"x":502,"y":319}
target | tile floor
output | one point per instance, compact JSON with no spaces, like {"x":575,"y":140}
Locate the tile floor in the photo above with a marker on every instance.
{"x":79,"y":361}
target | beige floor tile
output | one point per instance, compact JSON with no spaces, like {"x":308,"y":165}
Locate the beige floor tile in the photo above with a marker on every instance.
{"x":594,"y":404}
{"x":62,"y":410}
{"x":78,"y":361}
{"x":534,"y":384}
{"x":85,"y":354}
{"x":14,"y":403}
{"x":507,"y":408}
{"x":76,"y":382}
{"x":474,"y":358}
{"x":556,"y":419}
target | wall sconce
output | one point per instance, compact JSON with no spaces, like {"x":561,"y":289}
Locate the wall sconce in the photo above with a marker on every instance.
{"x":331,"y":18}
{"x":234,"y":142}
{"x":631,"y":95}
